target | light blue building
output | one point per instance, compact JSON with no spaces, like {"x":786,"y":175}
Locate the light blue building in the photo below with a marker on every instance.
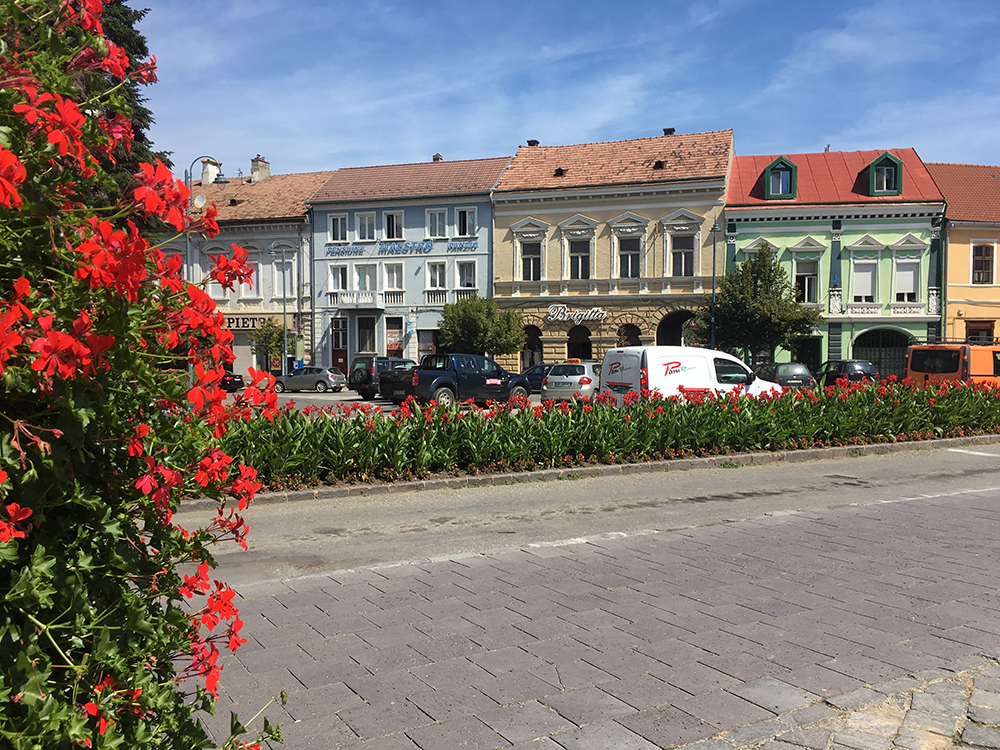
{"x":391,"y":246}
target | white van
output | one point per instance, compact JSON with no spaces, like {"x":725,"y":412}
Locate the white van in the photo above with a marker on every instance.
{"x":673,"y":370}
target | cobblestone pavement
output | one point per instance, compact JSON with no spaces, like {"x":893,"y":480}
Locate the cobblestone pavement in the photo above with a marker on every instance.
{"x":861,"y":627}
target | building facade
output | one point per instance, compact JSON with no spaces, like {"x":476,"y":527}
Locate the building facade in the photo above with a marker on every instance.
{"x":391,"y":246}
{"x":266,"y":215}
{"x":606,"y":244}
{"x":859,"y":235}
{"x":972,"y":240}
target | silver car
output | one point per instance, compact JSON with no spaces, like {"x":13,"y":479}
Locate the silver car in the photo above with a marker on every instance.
{"x":572,"y":378}
{"x":320,"y":379}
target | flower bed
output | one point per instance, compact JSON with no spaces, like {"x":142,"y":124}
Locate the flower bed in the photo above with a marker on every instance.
{"x":359,"y":443}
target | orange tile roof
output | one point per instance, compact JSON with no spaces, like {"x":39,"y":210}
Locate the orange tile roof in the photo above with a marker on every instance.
{"x":972,"y":190}
{"x":830,"y":177}
{"x":683,"y":156}
{"x":280,"y":196}
{"x":421,"y":180}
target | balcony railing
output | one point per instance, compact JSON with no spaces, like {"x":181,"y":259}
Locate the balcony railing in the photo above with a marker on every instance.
{"x":465,"y":293}
{"x":393,"y":298}
{"x":358,"y":300}
{"x":437,"y":296}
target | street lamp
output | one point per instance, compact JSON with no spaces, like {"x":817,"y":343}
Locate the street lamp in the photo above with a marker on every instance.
{"x":711,"y":328}
{"x":284,"y":307}
{"x":188,"y":180}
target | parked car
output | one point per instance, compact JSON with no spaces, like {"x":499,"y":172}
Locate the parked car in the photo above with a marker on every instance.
{"x":365,"y":369}
{"x":978,"y":362}
{"x":535,"y":375}
{"x":786,"y":374}
{"x":676,"y":370}
{"x":320,"y":379}
{"x":571,"y":378}
{"x":395,"y":384}
{"x":447,"y":378}
{"x":855,"y":370}
{"x":232,"y":382}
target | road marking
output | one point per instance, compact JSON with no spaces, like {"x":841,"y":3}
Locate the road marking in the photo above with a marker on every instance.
{"x":974,"y":453}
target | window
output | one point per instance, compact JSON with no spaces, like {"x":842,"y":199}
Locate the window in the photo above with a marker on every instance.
{"x":284,"y":276}
{"x":780,"y":179}
{"x":628,"y":256}
{"x":885,"y":175}
{"x":436,"y":277}
{"x":864,"y":282}
{"x":683,"y":254}
{"x":366,"y":334}
{"x":394,"y":276}
{"x":436,"y":224}
{"x":336,"y":279}
{"x":978,"y":331}
{"x":338,"y":333}
{"x":730,"y":373}
{"x":251,"y":287}
{"x":579,"y":259}
{"x":907,"y":275}
{"x":338,"y":229}
{"x":982,"y":264}
{"x":885,"y":178}
{"x":366,"y":226}
{"x":467,"y":274}
{"x":366,"y":278}
{"x":466,"y":221}
{"x":806,"y":278}
{"x":531,"y":261}
{"x":393,"y":226}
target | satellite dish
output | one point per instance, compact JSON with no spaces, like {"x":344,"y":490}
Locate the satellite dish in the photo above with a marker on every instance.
{"x":199,"y":201}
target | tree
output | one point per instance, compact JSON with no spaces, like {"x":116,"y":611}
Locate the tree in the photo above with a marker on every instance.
{"x":755,"y":308}
{"x":475,"y":326}
{"x":266,"y":340}
{"x":110,"y":624}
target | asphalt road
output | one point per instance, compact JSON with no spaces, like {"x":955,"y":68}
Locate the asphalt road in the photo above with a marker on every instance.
{"x":316,"y":536}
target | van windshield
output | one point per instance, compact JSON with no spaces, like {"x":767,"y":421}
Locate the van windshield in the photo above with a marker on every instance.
{"x":933,"y":361}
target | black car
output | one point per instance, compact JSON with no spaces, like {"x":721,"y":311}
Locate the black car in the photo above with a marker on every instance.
{"x":232,"y":382}
{"x":365,"y":369}
{"x":536,"y":374}
{"x":786,"y":374}
{"x":854,"y":370}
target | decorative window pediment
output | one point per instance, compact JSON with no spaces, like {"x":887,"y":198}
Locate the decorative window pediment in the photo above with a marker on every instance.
{"x":756,"y":245}
{"x":681,"y":222}
{"x":885,"y":175}
{"x":578,"y":226}
{"x":628,"y":225}
{"x":808,"y":248}
{"x":530,"y":229}
{"x":780,"y":178}
{"x":867,"y":242}
{"x":909,"y":242}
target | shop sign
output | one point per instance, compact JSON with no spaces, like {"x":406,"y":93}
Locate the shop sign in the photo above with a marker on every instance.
{"x":345,"y":251}
{"x":404,"y":248}
{"x":562,"y":314}
{"x":244,"y":322}
{"x":465,"y":246}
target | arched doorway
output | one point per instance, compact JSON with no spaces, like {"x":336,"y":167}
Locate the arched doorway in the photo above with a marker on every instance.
{"x":531,"y":355}
{"x":670,"y":332}
{"x":885,"y":348}
{"x":578,"y":344}
{"x":628,"y":335}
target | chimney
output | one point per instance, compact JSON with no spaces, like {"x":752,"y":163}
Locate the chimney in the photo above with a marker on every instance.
{"x":437,"y":157}
{"x":260,"y":169}
{"x":210,"y":169}
{"x":532,"y":143}
{"x":669,"y":131}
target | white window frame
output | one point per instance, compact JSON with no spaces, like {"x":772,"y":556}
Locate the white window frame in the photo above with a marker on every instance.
{"x":437,"y":271}
{"x":873,"y":266}
{"x":915,"y":263}
{"x":458,"y":274}
{"x":439,"y":217}
{"x":881,"y":170}
{"x":638,"y":253}
{"x":370,"y":272}
{"x":287,"y":291}
{"x":814,"y":297}
{"x":541,"y":256}
{"x":336,"y":279}
{"x":396,"y":219}
{"x":365,"y":226}
{"x":464,"y":213}
{"x":252,"y":290}
{"x":589,"y":255}
{"x":337,"y":228}
{"x":390,"y":268}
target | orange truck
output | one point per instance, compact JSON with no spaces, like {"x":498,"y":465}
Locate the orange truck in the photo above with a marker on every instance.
{"x":979,"y":363}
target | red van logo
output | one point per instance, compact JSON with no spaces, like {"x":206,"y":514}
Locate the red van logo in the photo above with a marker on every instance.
{"x":672,"y":368}
{"x":614,"y":367}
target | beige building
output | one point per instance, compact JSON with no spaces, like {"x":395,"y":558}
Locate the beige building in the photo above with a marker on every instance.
{"x":603,"y":244}
{"x":972,"y":240}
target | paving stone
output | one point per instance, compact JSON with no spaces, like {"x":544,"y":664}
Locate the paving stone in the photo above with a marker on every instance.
{"x":758,"y":732}
{"x":527,"y":721}
{"x":321,"y":701}
{"x":774,"y":695}
{"x":811,"y":715}
{"x":855,"y":699}
{"x":989,"y":684}
{"x":919,"y":739}
{"x":945,"y":725}
{"x":467,"y":732}
{"x":862,"y":740}
{"x":723,"y":710}
{"x":942,"y":698}
{"x":328,"y":731}
{"x":607,"y":734}
{"x":587,"y":705}
{"x":516,"y":687}
{"x":986,"y":699}
{"x":370,"y":721}
{"x":884,"y":723}
{"x":710,"y":744}
{"x":816,"y":738}
{"x":777,"y":744}
{"x":820,"y":680}
{"x":667,"y":726}
{"x":974,"y":734}
{"x":898,"y":685}
{"x":451,"y":702}
{"x":644,"y":691}
{"x":982,"y":715}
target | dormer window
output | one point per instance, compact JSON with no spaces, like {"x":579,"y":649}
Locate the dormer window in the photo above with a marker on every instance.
{"x":779,"y":180}
{"x":559,"y":172}
{"x":885,"y":175}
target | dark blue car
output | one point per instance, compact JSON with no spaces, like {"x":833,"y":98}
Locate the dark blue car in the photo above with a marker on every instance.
{"x":536,"y":374}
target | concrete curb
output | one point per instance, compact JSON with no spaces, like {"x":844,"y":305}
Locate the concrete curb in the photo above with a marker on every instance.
{"x":727,"y":461}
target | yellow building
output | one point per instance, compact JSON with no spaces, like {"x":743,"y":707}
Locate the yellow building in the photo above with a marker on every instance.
{"x":605,"y":244}
{"x":972,"y":236}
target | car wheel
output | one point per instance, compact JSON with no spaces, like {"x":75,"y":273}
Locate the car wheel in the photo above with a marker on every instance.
{"x":368,"y":395}
{"x":444,"y":396}
{"x":336,"y":390}
{"x":279,"y":387}
{"x":359,"y":376}
{"x":518,"y":392}
{"x":321,"y":387}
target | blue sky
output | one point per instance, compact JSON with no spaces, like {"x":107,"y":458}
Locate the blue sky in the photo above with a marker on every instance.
{"x":315,"y":85}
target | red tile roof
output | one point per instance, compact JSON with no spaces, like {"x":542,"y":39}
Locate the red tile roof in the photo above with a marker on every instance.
{"x":831,"y":177}
{"x":682,"y":157}
{"x":972,"y":190}
{"x":421,"y":180}
{"x":280,"y":196}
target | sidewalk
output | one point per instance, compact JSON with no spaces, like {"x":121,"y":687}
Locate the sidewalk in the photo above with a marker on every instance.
{"x":859,"y":627}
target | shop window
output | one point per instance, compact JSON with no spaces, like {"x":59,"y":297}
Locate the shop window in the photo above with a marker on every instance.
{"x":394,"y":337}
